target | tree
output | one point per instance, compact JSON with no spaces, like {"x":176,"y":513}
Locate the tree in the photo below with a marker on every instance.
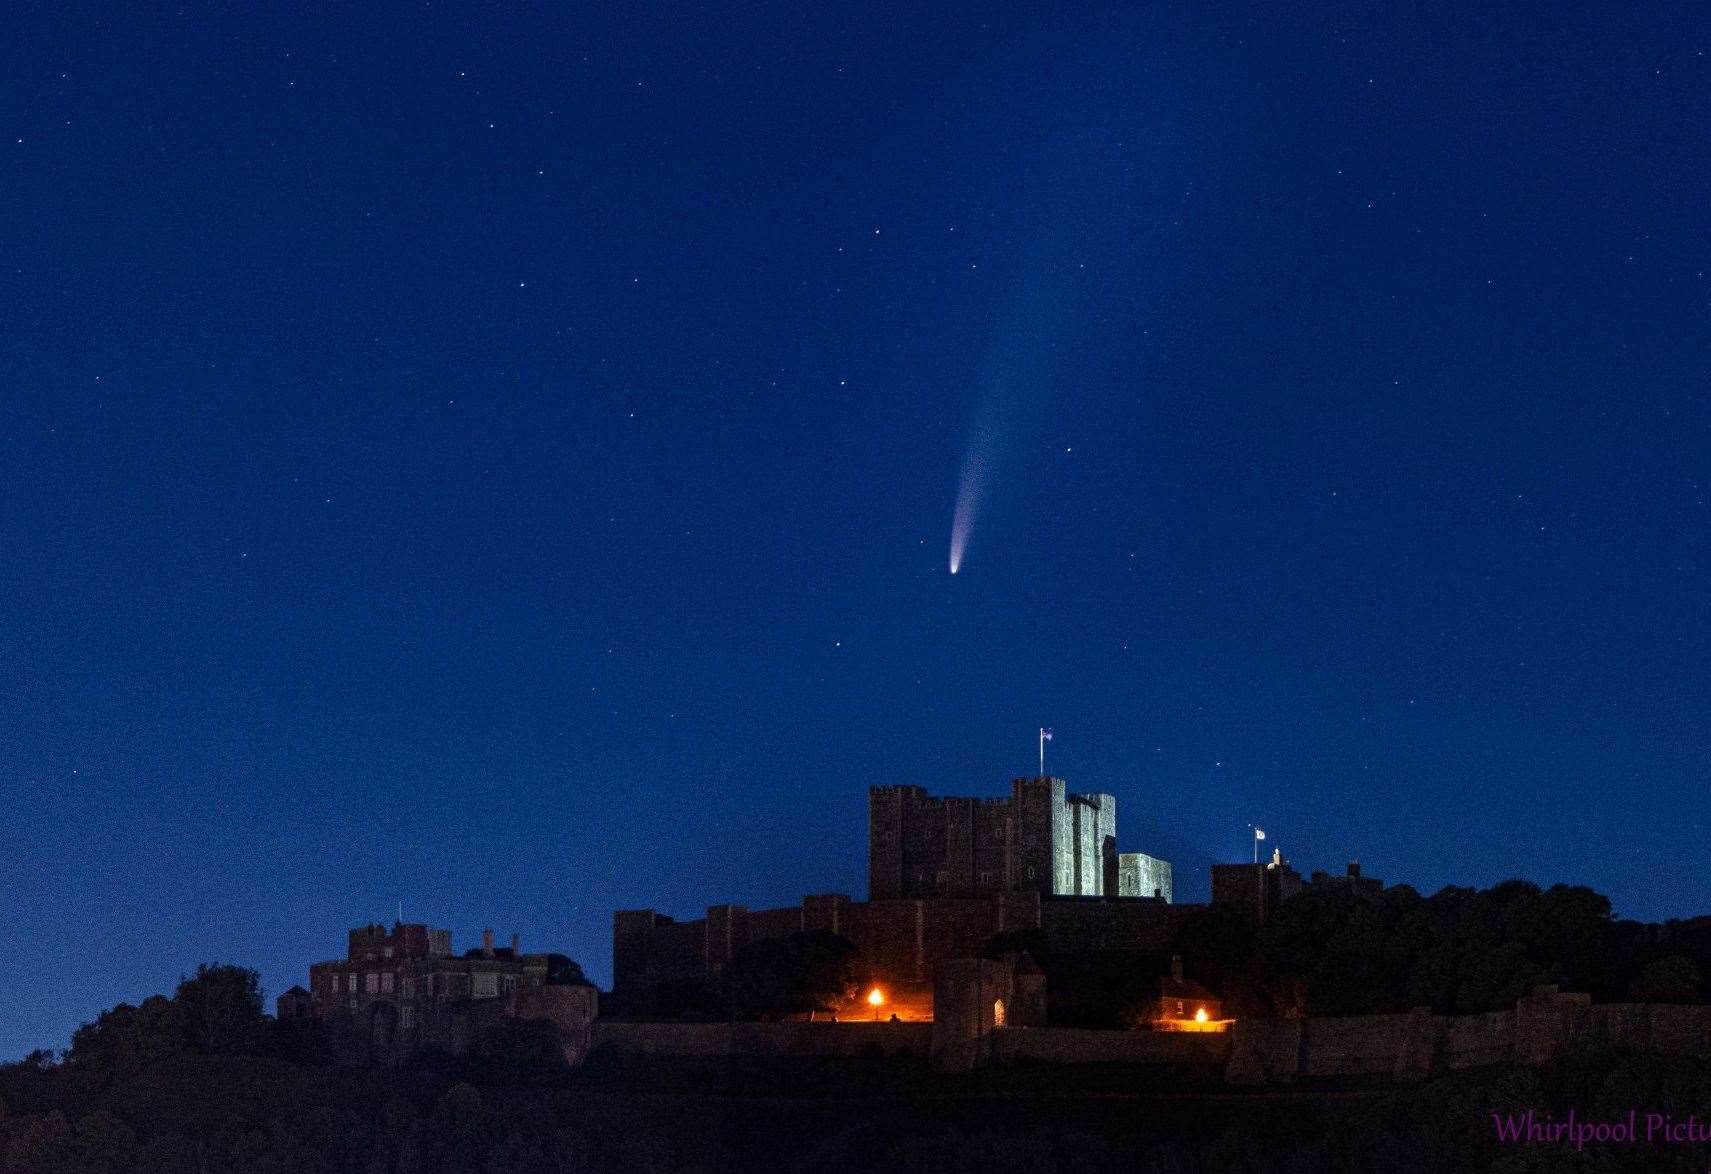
{"x":103,"y":1144}
{"x":122,"y":1040}
{"x":219,"y":1011}
{"x":800,"y":972}
{"x":518,"y":1052}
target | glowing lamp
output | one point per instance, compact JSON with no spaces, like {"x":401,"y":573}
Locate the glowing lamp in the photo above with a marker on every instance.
{"x":874,"y":998}
{"x":1200,"y":1015}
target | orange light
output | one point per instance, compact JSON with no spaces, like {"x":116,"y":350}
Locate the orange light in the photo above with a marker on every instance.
{"x":1200,"y":1015}
{"x":874,"y":998}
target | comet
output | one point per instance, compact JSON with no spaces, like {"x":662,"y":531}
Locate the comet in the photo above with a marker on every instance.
{"x":970,"y":488}
{"x":1018,"y":375}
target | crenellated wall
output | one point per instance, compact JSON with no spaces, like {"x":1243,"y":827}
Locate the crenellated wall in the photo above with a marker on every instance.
{"x":901,"y":940}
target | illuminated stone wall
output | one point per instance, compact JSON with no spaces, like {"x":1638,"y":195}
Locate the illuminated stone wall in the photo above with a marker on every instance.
{"x":1093,"y":846}
{"x":1140,"y":875}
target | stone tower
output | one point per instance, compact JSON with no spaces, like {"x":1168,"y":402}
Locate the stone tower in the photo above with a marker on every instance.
{"x":1041,"y":839}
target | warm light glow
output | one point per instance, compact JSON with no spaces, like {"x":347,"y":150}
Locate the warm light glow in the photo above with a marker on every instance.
{"x":1200,"y":1015}
{"x":874,"y":998}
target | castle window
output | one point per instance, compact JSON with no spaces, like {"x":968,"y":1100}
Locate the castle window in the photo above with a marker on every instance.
{"x":387,"y":952}
{"x":1030,"y":872}
{"x":407,"y":1016}
{"x":944,"y":878}
{"x":351,"y":985}
{"x":372,"y":983}
{"x":510,"y":984}
{"x":985,"y":879}
{"x":386,"y":983}
{"x":484,"y":986}
{"x":409,"y":988}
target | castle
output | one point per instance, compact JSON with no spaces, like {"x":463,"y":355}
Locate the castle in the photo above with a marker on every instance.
{"x":402,"y":989}
{"x":945,"y":875}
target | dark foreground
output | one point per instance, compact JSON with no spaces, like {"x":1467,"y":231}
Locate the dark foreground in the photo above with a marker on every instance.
{"x":247,"y":1113}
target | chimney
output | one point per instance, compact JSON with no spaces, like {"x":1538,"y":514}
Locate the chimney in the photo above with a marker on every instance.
{"x":1354,"y":869}
{"x":516,"y":945}
{"x":487,"y":943}
{"x":1176,"y":967}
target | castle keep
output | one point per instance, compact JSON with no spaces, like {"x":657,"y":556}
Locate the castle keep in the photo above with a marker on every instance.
{"x":1041,"y":839}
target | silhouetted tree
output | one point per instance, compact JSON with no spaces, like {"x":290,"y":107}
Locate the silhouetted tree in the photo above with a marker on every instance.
{"x":124,"y":1039}
{"x":800,"y":972}
{"x":219,"y":1011}
{"x":518,"y":1051}
{"x":681,"y":998}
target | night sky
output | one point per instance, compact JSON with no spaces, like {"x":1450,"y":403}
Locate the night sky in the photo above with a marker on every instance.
{"x":504,"y":465}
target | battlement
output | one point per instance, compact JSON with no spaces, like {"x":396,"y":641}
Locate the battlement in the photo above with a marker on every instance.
{"x":374,"y":942}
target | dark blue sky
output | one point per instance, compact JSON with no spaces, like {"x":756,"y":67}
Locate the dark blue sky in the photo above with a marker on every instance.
{"x":505,"y":464}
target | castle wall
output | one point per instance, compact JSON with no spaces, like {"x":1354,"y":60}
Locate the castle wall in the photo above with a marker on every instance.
{"x":1018,"y":911}
{"x":826,"y":911}
{"x":1097,"y":925}
{"x":1093,"y":834}
{"x":885,"y":841}
{"x":1108,"y":846}
{"x":968,"y":997}
{"x":572,"y":1009}
{"x":763,"y":1039}
{"x":923,"y":846}
{"x":958,"y":864}
{"x":1035,"y":805}
{"x":726,"y":930}
{"x":1241,"y":886}
{"x":778,"y":923}
{"x":1257,"y":889}
{"x":901,"y":940}
{"x":1070,"y":1045}
{"x":888,"y":934}
{"x":1355,"y":1044}
{"x":955,"y":929}
{"x":1646,"y":1027}
{"x":993,"y":828}
{"x":1062,"y":848}
{"x":649,"y":949}
{"x":1473,"y":1041}
{"x":1140,"y":875}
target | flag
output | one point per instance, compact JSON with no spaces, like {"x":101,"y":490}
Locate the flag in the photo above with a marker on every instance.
{"x":1259,"y":833}
{"x":1045,"y":735}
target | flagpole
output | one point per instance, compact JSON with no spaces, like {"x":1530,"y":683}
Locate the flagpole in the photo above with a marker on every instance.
{"x":1042,"y":752}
